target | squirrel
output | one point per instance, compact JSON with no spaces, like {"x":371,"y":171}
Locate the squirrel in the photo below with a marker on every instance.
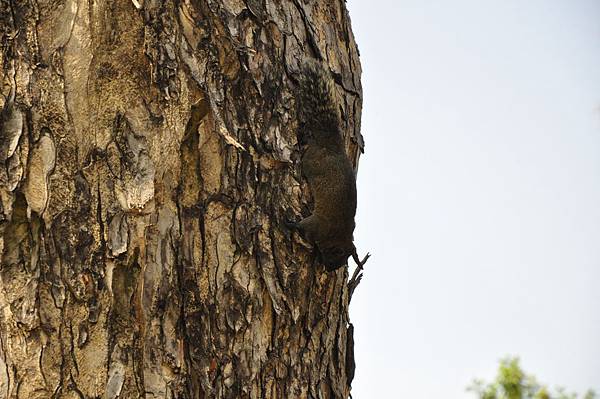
{"x":327,"y":169}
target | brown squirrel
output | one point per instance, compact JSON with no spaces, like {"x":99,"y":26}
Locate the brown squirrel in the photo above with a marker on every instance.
{"x":326,"y":168}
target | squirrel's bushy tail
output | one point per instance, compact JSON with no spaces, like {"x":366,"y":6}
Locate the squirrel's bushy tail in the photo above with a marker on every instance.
{"x":317,"y":112}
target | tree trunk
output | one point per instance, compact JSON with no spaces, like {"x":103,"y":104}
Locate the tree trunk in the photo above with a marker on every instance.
{"x":148,"y":159}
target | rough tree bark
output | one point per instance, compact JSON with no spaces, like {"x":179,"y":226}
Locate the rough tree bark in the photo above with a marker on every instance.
{"x":148,"y":159}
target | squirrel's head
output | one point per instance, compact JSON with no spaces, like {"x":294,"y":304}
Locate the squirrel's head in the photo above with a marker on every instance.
{"x":336,"y":256}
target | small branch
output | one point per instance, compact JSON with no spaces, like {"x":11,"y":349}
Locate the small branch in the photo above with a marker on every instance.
{"x":357,"y":275}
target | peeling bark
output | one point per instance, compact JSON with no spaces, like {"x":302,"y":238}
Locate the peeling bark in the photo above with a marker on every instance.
{"x":149,"y":159}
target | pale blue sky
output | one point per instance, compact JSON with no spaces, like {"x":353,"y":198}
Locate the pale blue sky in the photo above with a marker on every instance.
{"x":479,"y":194}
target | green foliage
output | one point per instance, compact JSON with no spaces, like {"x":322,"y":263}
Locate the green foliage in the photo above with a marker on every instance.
{"x":512,"y":383}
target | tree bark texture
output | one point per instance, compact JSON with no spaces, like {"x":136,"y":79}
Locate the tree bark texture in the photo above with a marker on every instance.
{"x":148,"y":160}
